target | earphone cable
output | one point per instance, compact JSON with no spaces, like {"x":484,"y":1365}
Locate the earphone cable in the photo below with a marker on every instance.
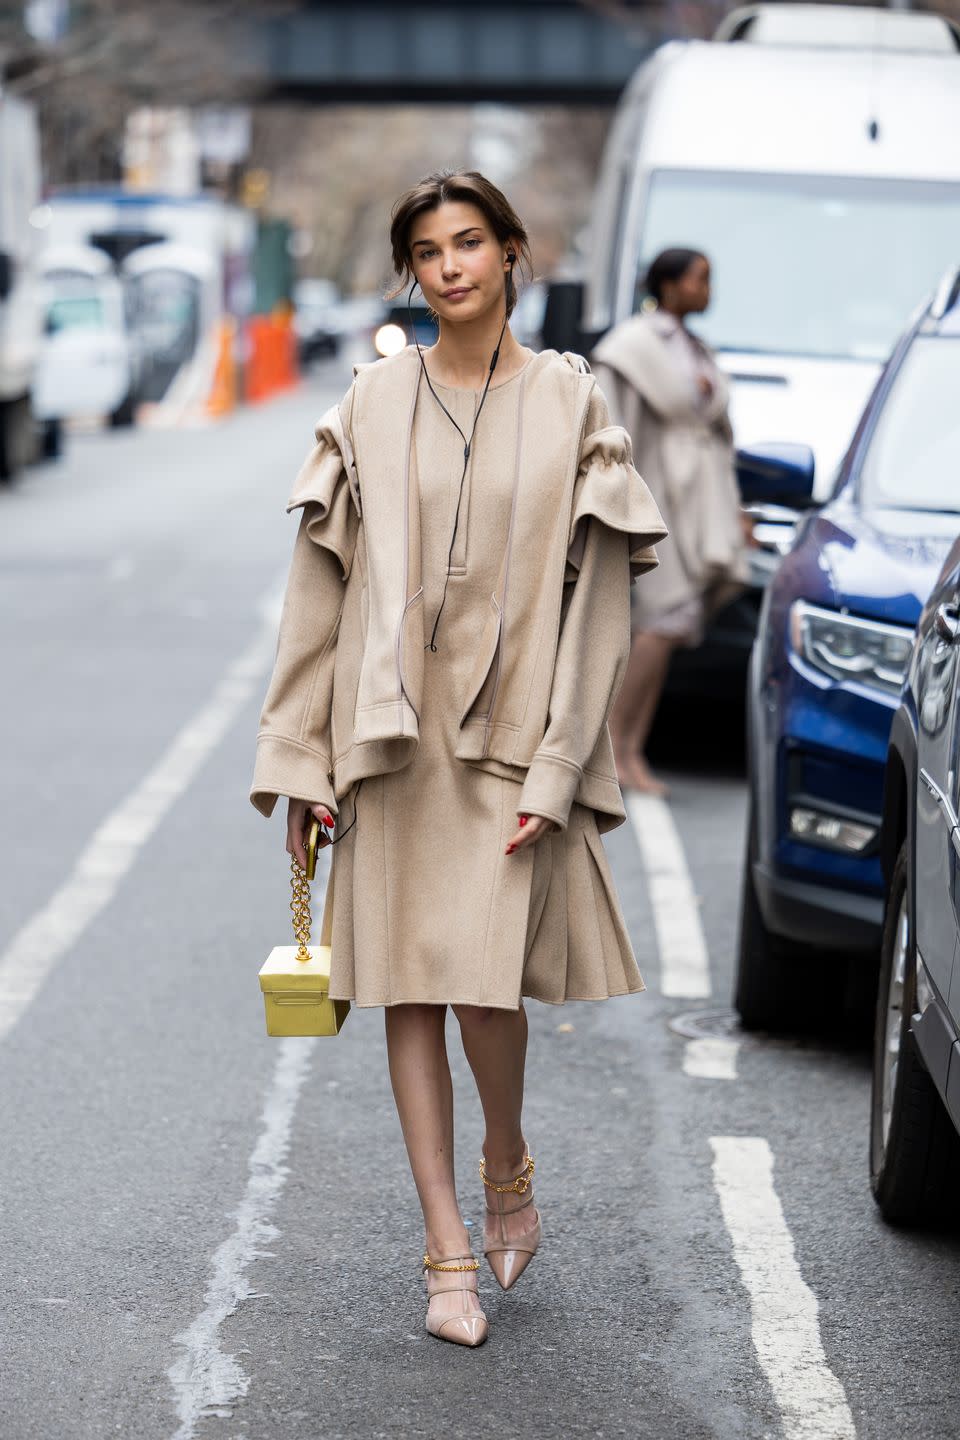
{"x":467,"y":444}
{"x":353,"y":822}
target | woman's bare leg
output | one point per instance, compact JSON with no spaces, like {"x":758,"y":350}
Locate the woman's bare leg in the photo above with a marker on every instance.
{"x":495,"y":1044}
{"x":420,"y":1075}
{"x":632,"y":715}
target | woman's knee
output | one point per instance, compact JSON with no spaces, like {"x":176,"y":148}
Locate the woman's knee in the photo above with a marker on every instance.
{"x":474,"y":1017}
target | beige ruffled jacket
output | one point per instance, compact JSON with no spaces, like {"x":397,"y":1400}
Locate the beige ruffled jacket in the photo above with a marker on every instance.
{"x":345,"y":695}
{"x":683,"y":446}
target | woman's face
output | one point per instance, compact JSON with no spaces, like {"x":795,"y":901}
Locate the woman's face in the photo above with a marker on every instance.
{"x":691,"y":293}
{"x":458,"y":261}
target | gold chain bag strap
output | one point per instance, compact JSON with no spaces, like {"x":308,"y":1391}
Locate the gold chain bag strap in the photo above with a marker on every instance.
{"x":295,"y":979}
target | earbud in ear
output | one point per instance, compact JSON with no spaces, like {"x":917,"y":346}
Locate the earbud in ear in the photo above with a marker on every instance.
{"x":511,"y":258}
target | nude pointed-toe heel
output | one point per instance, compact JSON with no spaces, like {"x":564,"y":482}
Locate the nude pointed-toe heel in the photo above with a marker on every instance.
{"x":468,"y":1327}
{"x":509,"y":1257}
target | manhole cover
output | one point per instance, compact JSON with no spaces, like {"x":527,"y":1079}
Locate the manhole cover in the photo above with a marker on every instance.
{"x":698,"y":1023}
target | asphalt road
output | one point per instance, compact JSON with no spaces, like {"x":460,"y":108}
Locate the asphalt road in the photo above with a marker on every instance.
{"x":209,"y":1233}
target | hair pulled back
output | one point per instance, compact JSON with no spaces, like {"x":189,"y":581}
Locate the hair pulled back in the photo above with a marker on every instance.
{"x":467,"y":186}
{"x":670,"y":264}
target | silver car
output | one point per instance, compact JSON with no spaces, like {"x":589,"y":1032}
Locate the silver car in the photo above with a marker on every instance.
{"x":915,"y":1114}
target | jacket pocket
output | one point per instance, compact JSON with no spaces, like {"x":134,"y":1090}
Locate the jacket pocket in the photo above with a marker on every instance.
{"x":483,"y":678}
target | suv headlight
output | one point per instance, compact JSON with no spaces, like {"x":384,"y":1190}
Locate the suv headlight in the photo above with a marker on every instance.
{"x":847,"y":648}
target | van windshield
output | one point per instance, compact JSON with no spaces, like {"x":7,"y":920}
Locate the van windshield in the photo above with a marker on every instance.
{"x":806,"y":265}
{"x":75,"y":312}
{"x":912,"y":460}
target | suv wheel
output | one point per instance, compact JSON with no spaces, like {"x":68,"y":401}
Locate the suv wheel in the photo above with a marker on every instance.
{"x":914,"y":1148}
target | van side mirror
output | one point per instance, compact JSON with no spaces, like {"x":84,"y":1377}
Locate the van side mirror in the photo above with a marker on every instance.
{"x":777,"y":473}
{"x":6,"y":274}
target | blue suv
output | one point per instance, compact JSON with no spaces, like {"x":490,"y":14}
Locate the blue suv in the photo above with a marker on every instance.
{"x":835,"y":635}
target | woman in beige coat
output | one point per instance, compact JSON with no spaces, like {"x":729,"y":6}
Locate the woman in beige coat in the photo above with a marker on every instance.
{"x":455,"y":628}
{"x":668,"y":392}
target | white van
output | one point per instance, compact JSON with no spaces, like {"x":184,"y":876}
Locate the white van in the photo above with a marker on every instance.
{"x":174,"y":302}
{"x":86,"y":366}
{"x":186,"y":263}
{"x":813,"y":153}
{"x":21,"y":244}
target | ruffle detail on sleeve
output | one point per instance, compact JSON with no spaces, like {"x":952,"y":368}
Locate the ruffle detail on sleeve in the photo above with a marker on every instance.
{"x":327,"y":484}
{"x":608,"y":487}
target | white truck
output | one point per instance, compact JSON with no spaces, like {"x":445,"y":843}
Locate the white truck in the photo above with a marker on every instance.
{"x":185,"y":265}
{"x":811,"y":151}
{"x":88,"y":364}
{"x":21,"y":313}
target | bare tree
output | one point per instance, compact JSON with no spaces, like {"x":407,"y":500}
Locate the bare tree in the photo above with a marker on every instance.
{"x":115,"y":56}
{"x":337,"y":171}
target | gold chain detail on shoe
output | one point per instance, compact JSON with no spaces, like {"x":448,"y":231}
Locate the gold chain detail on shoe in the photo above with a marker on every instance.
{"x":429,"y":1264}
{"x":519,"y":1185}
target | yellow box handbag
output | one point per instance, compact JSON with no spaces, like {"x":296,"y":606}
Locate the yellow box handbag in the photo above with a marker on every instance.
{"x":295,"y":979}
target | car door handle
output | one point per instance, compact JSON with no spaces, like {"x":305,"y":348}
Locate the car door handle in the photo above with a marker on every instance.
{"x":943,"y":801}
{"x":946,"y":622}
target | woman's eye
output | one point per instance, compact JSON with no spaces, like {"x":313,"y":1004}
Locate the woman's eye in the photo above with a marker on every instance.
{"x":474,"y":241}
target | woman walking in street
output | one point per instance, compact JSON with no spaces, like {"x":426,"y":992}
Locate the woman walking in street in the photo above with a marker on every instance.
{"x":455,"y":628}
{"x":665,"y":387}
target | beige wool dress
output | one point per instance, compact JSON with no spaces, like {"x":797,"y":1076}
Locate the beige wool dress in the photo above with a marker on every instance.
{"x":413,"y":915}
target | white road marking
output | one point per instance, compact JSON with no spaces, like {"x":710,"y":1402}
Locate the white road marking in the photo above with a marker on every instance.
{"x":206,"y":1381}
{"x":785,"y":1327}
{"x":684,"y":962}
{"x":121,"y":567}
{"x":270,"y":608}
{"x":113,"y":847}
{"x":712,"y":1057}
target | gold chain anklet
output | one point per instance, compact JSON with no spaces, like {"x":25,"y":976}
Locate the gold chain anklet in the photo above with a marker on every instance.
{"x":429,"y":1264}
{"x":520,"y":1185}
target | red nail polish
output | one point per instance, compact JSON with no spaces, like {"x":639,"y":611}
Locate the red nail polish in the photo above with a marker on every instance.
{"x":523,"y":819}
{"x":328,"y":819}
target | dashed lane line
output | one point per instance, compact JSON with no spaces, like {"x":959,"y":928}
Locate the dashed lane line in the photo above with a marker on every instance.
{"x":206,"y":1381}
{"x":112,"y":849}
{"x":684,"y":961}
{"x":713,"y":1057}
{"x":785,"y":1315}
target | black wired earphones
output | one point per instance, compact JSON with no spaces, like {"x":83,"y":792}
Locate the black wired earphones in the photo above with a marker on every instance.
{"x":467,"y":444}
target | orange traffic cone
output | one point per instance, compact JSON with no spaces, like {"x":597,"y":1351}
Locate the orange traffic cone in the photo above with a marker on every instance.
{"x":223,"y":392}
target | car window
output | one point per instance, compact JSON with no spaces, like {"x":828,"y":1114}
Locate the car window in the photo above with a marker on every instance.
{"x":913,"y":462}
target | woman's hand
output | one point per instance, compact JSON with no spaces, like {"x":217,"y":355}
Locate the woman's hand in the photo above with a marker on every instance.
{"x":300,"y":813}
{"x":531,"y":829}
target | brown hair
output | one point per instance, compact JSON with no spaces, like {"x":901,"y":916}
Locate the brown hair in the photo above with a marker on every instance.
{"x":472,"y":188}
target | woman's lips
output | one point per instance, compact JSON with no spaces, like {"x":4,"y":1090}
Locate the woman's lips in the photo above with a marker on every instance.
{"x":457,"y":294}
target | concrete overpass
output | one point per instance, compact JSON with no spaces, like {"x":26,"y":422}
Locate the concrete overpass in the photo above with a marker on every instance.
{"x":534,"y":51}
